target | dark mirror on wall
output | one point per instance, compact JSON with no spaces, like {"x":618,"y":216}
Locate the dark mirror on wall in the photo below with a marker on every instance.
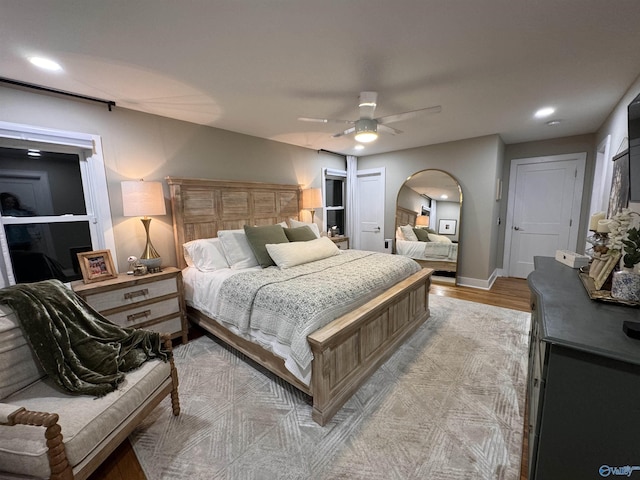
{"x":428,"y":222}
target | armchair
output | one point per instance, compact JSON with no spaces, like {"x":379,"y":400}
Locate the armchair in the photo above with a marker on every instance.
{"x":48,"y":433}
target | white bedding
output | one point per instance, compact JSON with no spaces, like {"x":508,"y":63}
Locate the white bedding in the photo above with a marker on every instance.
{"x":434,"y":251}
{"x":281,"y":314}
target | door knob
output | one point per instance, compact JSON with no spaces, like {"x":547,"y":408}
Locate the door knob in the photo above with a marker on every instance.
{"x":516,"y":228}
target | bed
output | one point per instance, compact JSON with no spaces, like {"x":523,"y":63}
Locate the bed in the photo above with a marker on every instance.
{"x":440,"y":255}
{"x":347,"y":350}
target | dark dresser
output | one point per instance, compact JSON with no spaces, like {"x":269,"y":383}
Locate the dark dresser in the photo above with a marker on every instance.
{"x":584,"y":381}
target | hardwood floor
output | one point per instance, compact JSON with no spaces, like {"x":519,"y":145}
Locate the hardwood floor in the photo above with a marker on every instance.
{"x":506,"y":292}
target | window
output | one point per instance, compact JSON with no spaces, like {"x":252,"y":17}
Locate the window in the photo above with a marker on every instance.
{"x":53,"y":204}
{"x":334,"y":198}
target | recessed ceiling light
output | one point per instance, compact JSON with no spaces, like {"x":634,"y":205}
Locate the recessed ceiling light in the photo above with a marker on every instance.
{"x":45,"y":63}
{"x":444,"y":196}
{"x":544,"y":112}
{"x":359,"y":147}
{"x":551,"y":123}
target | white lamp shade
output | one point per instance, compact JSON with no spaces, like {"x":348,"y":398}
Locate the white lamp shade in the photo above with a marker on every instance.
{"x":311,"y":198}
{"x":422,"y":221}
{"x":142,"y":199}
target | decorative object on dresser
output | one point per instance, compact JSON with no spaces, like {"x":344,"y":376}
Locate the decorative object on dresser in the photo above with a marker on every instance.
{"x":583,"y":380}
{"x":626,"y":282}
{"x":605,"y":281}
{"x":154,"y":302}
{"x":142,"y":199}
{"x":96,"y":266}
{"x":341,"y":242}
{"x":343,"y":353}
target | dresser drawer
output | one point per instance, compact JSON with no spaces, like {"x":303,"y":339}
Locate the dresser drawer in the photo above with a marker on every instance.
{"x":130,"y":295}
{"x":145,"y":313}
{"x":168,"y":326}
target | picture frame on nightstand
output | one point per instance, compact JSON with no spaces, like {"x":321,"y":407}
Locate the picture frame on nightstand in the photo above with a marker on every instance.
{"x":96,"y":266}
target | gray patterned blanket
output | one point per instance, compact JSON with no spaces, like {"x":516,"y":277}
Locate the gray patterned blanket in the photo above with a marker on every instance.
{"x":290,"y":304}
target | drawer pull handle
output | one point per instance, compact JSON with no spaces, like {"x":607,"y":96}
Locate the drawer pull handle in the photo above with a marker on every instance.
{"x":136,"y":316}
{"x":138,"y":293}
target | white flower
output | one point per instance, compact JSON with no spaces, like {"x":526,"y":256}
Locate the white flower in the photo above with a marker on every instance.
{"x":132,"y":258}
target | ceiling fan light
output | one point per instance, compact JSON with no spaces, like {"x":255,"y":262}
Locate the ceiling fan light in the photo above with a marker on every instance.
{"x":366,"y":130}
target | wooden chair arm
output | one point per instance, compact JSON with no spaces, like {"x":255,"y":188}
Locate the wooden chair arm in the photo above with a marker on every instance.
{"x":58,"y":463}
{"x":175,"y":401}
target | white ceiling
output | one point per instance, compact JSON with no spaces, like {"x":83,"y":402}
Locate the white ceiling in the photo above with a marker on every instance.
{"x":254,"y":66}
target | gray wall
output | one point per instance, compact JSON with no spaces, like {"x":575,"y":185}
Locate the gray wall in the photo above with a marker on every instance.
{"x":476,"y":164}
{"x":139,"y":145}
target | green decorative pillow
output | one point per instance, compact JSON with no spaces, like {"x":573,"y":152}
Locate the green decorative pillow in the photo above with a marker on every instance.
{"x":300,"y":234}
{"x":258,"y":237}
{"x":422,"y":234}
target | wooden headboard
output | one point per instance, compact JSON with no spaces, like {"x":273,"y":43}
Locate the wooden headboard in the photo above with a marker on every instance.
{"x":202,"y":207}
{"x":404,"y":216}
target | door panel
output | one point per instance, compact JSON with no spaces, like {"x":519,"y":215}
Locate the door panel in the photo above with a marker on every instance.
{"x":371,"y":210}
{"x":546,"y":211}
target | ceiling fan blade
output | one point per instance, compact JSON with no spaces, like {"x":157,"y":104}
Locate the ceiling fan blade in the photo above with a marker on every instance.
{"x":324,"y":120}
{"x":388,"y":129}
{"x":407,"y":115}
{"x":346,"y":132}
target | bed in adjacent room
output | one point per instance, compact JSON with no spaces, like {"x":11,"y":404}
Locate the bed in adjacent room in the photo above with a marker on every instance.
{"x":423,"y":245}
{"x":320,"y":318}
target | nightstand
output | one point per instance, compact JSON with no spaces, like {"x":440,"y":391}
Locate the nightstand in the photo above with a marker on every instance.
{"x":341,"y":242}
{"x":154,"y":301}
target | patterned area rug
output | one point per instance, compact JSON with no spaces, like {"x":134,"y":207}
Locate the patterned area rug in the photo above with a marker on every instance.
{"x":447,"y":405}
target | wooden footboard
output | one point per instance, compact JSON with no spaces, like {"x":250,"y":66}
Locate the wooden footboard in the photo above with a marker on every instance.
{"x":348,"y":350}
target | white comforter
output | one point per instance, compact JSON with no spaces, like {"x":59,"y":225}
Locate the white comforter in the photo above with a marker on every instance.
{"x":278,"y":309}
{"x":428,"y":250}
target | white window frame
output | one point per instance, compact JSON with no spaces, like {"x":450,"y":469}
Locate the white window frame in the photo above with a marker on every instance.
{"x":94,"y":184}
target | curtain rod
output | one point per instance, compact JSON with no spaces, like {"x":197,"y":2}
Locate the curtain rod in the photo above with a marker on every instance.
{"x":332,"y":153}
{"x":108,"y":103}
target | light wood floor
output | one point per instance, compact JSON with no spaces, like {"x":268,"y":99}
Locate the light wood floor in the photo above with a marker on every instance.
{"x":506,"y":292}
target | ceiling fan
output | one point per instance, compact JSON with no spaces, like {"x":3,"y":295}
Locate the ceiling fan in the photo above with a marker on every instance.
{"x":366,"y":127}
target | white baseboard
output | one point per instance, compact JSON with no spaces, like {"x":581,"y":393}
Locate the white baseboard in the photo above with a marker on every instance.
{"x":479,"y":283}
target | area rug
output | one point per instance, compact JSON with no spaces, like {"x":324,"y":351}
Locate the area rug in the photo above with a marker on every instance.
{"x":447,"y":405}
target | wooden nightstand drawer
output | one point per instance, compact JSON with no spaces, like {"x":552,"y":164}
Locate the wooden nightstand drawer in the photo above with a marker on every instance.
{"x":131,"y":295}
{"x":147,"y":312}
{"x":168,"y":326}
{"x":154,"y":301}
{"x":341,"y":242}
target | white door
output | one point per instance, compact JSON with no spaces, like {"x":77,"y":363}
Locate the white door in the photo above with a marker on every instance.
{"x":370,"y":221}
{"x":543,"y":209}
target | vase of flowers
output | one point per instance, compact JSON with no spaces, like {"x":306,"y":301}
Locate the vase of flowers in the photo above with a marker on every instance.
{"x":626,"y":240}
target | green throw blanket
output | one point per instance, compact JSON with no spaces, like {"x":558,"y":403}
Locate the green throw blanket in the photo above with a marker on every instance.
{"x":83,"y":352}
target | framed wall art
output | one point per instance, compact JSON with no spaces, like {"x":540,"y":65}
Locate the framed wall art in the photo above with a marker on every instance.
{"x":96,"y":266}
{"x":447,"y":227}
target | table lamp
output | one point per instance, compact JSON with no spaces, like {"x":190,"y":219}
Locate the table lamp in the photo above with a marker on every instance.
{"x":143,"y":199}
{"x":311,"y":199}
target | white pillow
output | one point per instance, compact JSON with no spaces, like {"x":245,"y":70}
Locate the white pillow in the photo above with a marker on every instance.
{"x":399,"y":235}
{"x":286,"y":255}
{"x":407,"y":232}
{"x":237,"y":249}
{"x":296,"y":223}
{"x":205,"y":254}
{"x":438,"y":238}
